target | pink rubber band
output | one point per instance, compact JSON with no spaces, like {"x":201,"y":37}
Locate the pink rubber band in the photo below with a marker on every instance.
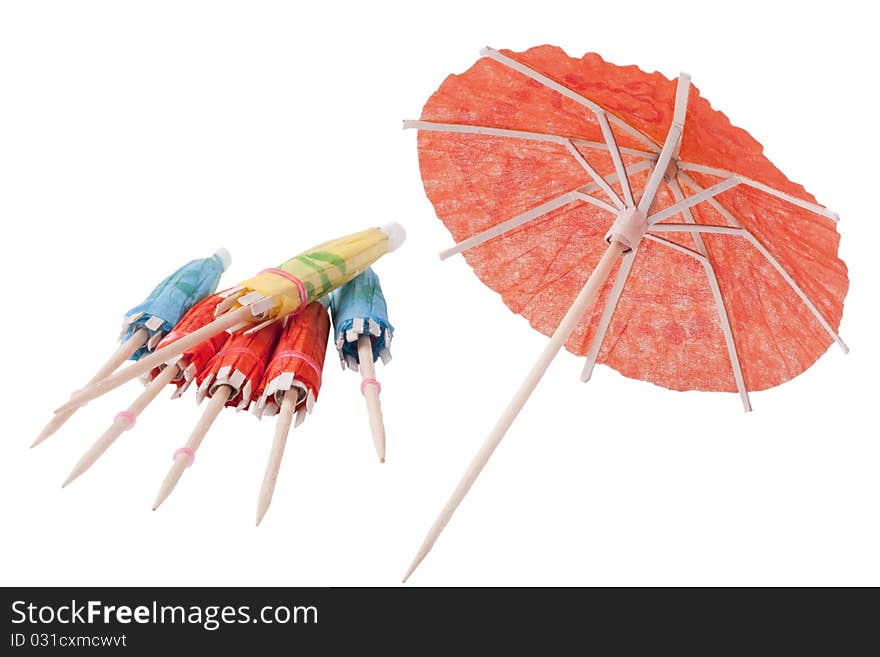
{"x":303,"y":293}
{"x":128,"y":416}
{"x":370,"y":382}
{"x":308,"y":360}
{"x":191,"y":455}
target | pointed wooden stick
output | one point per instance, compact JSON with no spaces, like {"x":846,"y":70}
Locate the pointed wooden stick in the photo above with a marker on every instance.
{"x":123,"y":421}
{"x":122,"y":354}
{"x":282,"y":428}
{"x":371,"y":393}
{"x":157,"y":358}
{"x":183,"y":461}
{"x":569,"y":322}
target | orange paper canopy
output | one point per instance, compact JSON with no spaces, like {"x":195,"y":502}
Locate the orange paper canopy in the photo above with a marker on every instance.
{"x":775,"y":278}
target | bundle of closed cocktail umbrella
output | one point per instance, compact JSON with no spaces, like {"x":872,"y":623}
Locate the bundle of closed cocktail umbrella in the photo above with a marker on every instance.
{"x":258,"y":346}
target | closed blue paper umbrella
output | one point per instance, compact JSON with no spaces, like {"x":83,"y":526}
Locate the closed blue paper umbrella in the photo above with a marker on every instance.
{"x":363,"y":335}
{"x":172,"y":298}
{"x":146,"y":323}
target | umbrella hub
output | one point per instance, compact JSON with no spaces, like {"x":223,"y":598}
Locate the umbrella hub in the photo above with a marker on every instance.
{"x":628,"y":228}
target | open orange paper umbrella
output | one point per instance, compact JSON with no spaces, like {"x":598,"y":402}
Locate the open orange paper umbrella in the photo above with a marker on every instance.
{"x":623,"y":216}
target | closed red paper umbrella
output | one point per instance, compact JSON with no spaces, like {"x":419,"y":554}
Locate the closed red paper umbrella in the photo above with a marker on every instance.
{"x":229,"y":379}
{"x":238,"y":367}
{"x":291,"y":385}
{"x":297,"y":363}
{"x":626,"y":218}
{"x":179,"y":372}
{"x":194,"y":360}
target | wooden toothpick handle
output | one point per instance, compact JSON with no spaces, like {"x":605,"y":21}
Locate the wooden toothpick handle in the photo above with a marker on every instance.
{"x":370,"y":389}
{"x":566,"y":327}
{"x":122,"y":354}
{"x":158,"y":357}
{"x":184,"y":457}
{"x":123,"y":421}
{"x":279,"y":440}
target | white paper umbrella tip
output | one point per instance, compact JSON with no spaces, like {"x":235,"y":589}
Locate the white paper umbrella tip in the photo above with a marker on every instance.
{"x":396,"y":235}
{"x":224,"y":256}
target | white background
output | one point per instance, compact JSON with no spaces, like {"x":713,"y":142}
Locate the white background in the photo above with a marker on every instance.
{"x":137,"y":136}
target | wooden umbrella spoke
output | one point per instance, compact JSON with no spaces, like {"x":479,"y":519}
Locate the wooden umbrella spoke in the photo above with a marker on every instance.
{"x":794,"y":200}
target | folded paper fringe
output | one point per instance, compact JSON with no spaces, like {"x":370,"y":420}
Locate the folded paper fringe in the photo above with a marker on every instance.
{"x":235,"y":379}
{"x":270,"y":402}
